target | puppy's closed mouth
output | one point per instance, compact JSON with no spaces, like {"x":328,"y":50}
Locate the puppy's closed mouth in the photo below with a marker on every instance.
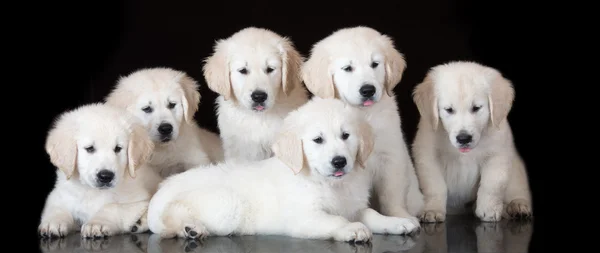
{"x":165,"y":139}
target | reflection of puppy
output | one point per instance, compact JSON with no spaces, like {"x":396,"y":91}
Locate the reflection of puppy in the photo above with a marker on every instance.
{"x":256,"y":74}
{"x":325,"y":196}
{"x":135,"y":243}
{"x":471,"y":154}
{"x":102,"y":182}
{"x":165,"y":100}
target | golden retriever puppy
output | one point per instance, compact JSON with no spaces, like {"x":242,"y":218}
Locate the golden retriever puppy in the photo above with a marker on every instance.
{"x":256,"y":74}
{"x":103,"y":186}
{"x":361,"y":67}
{"x":464,"y":148}
{"x":166,"y":101}
{"x":315,"y":187}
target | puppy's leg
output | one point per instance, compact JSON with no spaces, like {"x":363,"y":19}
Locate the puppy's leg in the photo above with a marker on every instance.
{"x":380,"y":224}
{"x":518,"y":195}
{"x":431,"y":181}
{"x":115,"y":219}
{"x":325,"y":226}
{"x":492,"y":187}
{"x":179,"y":221}
{"x":56,"y":220}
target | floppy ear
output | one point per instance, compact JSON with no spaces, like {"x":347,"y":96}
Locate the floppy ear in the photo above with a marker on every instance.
{"x":291,"y":65}
{"x":288,"y":148}
{"x":424,"y":98}
{"x":216,"y":71}
{"x":395,"y":64}
{"x":191,"y":97}
{"x":140,"y":148}
{"x":366,"y":143}
{"x":500,"y":98}
{"x":316,"y":76}
{"x":62,"y":148}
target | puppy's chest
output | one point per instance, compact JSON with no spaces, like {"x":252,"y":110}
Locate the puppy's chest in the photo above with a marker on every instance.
{"x":87,"y":203}
{"x":462,"y":177}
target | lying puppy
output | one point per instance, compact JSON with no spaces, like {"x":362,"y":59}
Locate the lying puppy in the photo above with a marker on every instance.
{"x":102,"y":186}
{"x":166,"y":101}
{"x":361,"y":67}
{"x":324,"y":196}
{"x":471,"y":156}
{"x":256,"y":74}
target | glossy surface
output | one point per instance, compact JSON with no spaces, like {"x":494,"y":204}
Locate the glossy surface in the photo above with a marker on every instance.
{"x":457,"y":234}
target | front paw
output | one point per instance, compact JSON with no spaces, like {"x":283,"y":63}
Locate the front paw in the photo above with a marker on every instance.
{"x":402,"y":226}
{"x":519,"y":209}
{"x":96,"y":230}
{"x":140,"y":226}
{"x":53,"y":229}
{"x":490,"y":211}
{"x":354,"y":232}
{"x":432,"y":216}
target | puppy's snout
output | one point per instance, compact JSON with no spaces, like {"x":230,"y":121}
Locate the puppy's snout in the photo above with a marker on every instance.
{"x":464,"y":138}
{"x":259,"y":96}
{"x":165,"y":128}
{"x":367,"y":90}
{"x":338,"y":162}
{"x":105,"y":176}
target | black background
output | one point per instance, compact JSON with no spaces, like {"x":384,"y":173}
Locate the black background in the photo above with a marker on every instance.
{"x":85,"y":48}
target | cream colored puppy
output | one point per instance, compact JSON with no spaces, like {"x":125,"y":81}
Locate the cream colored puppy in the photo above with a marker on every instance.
{"x":103,"y":186}
{"x":166,"y":101}
{"x":470,"y":156}
{"x":256,"y":74}
{"x":324,"y":196}
{"x":361,"y":67}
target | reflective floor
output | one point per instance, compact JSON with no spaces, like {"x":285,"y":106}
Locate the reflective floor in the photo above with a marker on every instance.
{"x":457,"y":234}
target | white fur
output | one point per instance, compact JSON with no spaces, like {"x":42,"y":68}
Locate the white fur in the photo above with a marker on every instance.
{"x":266,"y":197}
{"x":82,"y":143}
{"x":474,"y":99}
{"x":269,"y":63}
{"x":339,"y":65}
{"x":155,"y":88}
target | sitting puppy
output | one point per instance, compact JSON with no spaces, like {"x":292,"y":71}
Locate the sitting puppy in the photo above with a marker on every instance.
{"x":361,"y":67}
{"x":324,"y":195}
{"x":471,"y":156}
{"x":256,"y":74}
{"x":166,"y":101}
{"x":102,"y":186}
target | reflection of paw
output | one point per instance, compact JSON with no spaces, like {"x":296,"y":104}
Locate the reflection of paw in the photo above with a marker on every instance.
{"x":53,"y":229}
{"x":402,"y":226}
{"x":194,"y":231}
{"x":140,"y":226}
{"x":394,"y":243}
{"x":519,"y":227}
{"x":354,"y":232}
{"x":96,"y":230}
{"x":489,"y":237}
{"x":191,"y":245}
{"x":95,"y":244}
{"x":432,"y":216}
{"x":140,"y":242}
{"x":50,"y":244}
{"x":519,"y":209}
{"x":489,"y":212}
{"x":433,"y":228}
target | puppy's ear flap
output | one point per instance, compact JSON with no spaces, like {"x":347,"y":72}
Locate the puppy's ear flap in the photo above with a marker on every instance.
{"x":366,"y":143}
{"x":500,"y":98}
{"x":288,"y":148}
{"x":216,"y":71}
{"x":62,"y":149}
{"x":426,"y":101}
{"x":140,"y":148}
{"x":191,"y":96}
{"x":291,"y":66}
{"x":316,"y":76}
{"x":395,"y":64}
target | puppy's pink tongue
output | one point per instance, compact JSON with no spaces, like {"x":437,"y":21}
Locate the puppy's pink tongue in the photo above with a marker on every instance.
{"x":368,"y":103}
{"x":464,"y":150}
{"x":259,"y":108}
{"x":338,"y":173}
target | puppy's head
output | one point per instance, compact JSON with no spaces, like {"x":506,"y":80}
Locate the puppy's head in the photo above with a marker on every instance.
{"x":325,"y":136}
{"x":357,"y":65}
{"x":162,"y":98}
{"x":98,"y":144}
{"x":253,"y":67}
{"x":467,"y":97}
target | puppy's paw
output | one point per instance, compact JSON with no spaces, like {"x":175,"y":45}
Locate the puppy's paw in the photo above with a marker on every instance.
{"x":519,"y":209}
{"x":354,"y":232}
{"x":432,"y":216}
{"x":95,"y":244}
{"x":53,"y":229}
{"x":96,"y":230}
{"x":51,"y":244}
{"x":402,"y":226}
{"x":489,"y":212}
{"x":194,"y":231}
{"x":140,"y":226}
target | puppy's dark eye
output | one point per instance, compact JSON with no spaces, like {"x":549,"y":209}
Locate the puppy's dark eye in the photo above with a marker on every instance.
{"x":374,"y":64}
{"x":147,"y":109}
{"x":449,"y":110}
{"x":318,"y":140}
{"x":243,"y":71}
{"x":347,"y":68}
{"x":475,"y":108}
{"x":90,"y":149}
{"x":269,"y":70}
{"x":345,"y":136}
{"x":118,"y":149}
{"x":171,"y":105}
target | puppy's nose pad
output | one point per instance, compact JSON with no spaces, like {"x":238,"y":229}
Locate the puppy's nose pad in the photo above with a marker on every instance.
{"x":259,"y":96}
{"x":165,"y":128}
{"x":367,"y":90}
{"x":338,"y":162}
{"x":105,"y":176}
{"x":464,"y":138}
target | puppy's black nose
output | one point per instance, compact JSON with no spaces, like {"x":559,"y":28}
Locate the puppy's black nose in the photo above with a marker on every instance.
{"x":165,"y":128}
{"x":338,"y":162}
{"x":105,"y":176}
{"x":463,"y":138}
{"x":367,"y":90}
{"x":259,"y":96}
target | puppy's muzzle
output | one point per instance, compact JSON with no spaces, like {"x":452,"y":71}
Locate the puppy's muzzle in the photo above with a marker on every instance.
{"x":165,"y":130}
{"x":259,"y":97}
{"x":463,"y":138}
{"x":339,"y":163}
{"x":105,"y":178}
{"x":367,"y":91}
